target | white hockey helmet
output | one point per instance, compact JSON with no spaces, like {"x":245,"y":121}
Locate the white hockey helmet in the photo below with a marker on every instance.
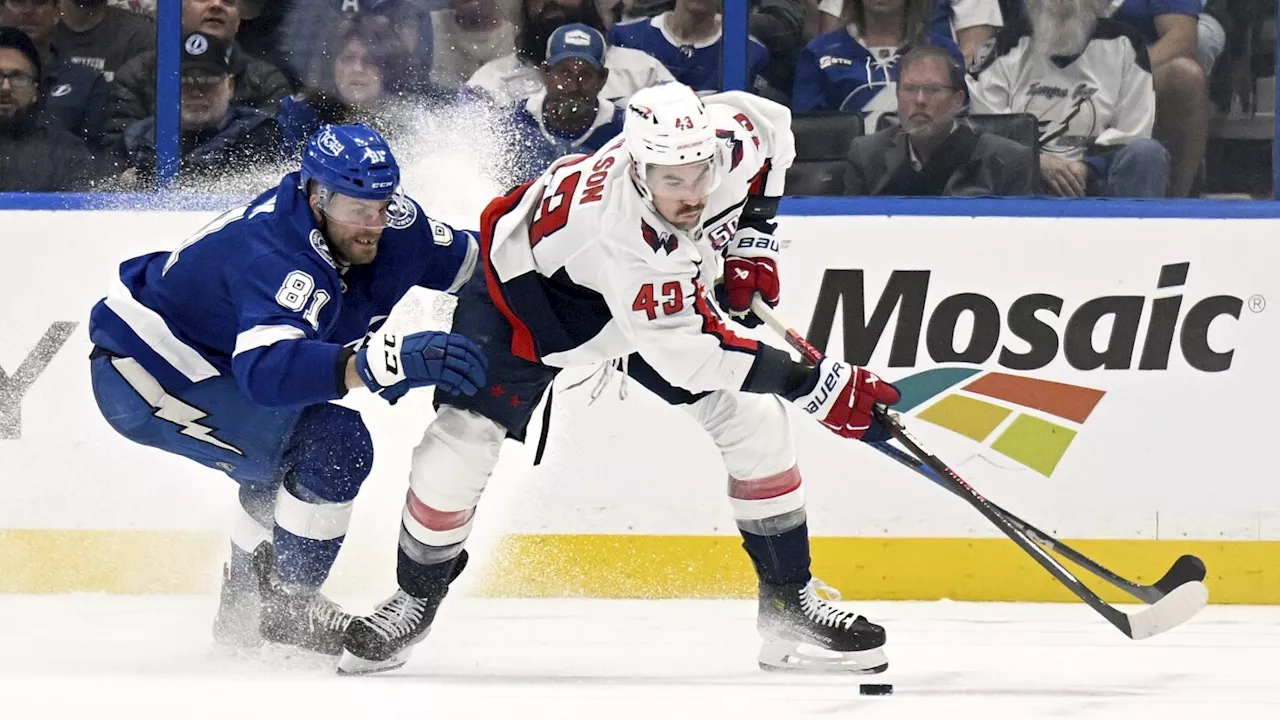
{"x":667,"y":124}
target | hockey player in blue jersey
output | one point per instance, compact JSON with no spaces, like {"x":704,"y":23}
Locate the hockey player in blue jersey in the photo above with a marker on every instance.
{"x":230,"y":349}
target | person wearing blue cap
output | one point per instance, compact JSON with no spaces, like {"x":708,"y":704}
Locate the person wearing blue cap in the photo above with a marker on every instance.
{"x":569,"y":116}
{"x":230,"y":350}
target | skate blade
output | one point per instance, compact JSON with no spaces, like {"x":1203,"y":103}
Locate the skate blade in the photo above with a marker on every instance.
{"x":356,"y":665}
{"x":293,"y":658}
{"x":790,"y":657}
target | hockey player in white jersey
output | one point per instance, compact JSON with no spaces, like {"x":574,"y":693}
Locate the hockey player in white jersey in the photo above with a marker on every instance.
{"x":610,"y":257}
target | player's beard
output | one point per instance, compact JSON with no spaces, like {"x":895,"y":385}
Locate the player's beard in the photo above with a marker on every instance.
{"x":1061,"y":28}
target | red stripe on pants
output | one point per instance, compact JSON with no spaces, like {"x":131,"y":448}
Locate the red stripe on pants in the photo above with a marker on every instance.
{"x":438,"y":520}
{"x":766,"y":487}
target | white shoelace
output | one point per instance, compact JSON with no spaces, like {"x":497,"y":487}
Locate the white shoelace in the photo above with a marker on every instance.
{"x":396,"y":617}
{"x":814,"y":604}
{"x":326,"y":613}
{"x":603,"y":374}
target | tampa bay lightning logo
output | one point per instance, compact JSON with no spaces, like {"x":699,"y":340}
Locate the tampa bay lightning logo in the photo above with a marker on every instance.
{"x":402,"y":212}
{"x":316,"y":238}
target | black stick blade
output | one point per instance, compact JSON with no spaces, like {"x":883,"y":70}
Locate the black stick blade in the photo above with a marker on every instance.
{"x":1187,"y":568}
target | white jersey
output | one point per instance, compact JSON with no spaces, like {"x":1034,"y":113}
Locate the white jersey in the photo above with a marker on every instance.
{"x":587,"y":272}
{"x":508,"y":79}
{"x":1102,"y":97}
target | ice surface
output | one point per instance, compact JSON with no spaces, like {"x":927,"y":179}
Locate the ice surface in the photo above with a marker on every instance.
{"x":93,"y":656}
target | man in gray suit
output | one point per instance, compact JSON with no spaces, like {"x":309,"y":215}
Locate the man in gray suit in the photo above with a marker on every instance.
{"x":931,"y":152}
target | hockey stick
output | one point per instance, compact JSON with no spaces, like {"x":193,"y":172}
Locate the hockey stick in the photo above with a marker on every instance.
{"x":1185,"y":569}
{"x":1174,"y":609}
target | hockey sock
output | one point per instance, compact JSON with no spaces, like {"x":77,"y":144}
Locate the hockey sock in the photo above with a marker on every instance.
{"x":782,"y":558}
{"x":426,"y":581}
{"x":308,"y":535}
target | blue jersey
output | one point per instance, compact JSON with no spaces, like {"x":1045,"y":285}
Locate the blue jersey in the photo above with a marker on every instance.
{"x":257,"y":295}
{"x":1142,"y":14}
{"x":697,"y":66}
{"x":537,"y":146}
{"x":836,"y":72}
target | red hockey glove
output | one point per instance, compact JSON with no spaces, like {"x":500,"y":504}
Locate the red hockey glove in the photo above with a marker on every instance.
{"x":841,"y":397}
{"x":750,"y":267}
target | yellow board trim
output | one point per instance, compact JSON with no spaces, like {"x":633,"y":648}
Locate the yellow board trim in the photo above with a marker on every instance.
{"x":675,"y":566}
{"x":110,"y":561}
{"x":656,"y":566}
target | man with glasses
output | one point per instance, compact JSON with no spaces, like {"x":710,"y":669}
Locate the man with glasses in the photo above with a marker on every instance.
{"x":930,"y":151}
{"x":258,"y":84}
{"x":230,"y":349}
{"x":218,"y":138}
{"x":34,"y":157}
{"x":76,"y":98}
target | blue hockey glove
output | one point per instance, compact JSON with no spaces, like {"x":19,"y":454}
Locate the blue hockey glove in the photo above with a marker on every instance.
{"x":393,"y":364}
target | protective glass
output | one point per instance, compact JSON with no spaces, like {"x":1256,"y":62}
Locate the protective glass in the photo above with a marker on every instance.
{"x":683,"y":182}
{"x":370,"y":214}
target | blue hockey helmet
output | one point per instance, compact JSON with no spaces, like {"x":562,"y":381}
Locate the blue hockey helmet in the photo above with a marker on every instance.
{"x":351,"y":160}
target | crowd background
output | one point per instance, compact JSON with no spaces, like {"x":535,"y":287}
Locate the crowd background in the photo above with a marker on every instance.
{"x":1072,"y":98}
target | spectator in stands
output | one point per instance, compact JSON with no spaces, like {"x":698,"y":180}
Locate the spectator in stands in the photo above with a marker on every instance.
{"x":517,"y":76}
{"x":137,"y":7}
{"x":971,"y":22}
{"x":309,"y":21}
{"x":1089,"y":83}
{"x":467,"y":36}
{"x":778,"y":24}
{"x":569,"y":116}
{"x":364,"y":82}
{"x":102,"y":37}
{"x":74,"y":97}
{"x":931,"y":152}
{"x":34,"y":157}
{"x":217,"y":137}
{"x":258,"y":83}
{"x":1170,"y":27}
{"x":854,"y":69}
{"x":686,"y":39}
{"x":261,"y":33}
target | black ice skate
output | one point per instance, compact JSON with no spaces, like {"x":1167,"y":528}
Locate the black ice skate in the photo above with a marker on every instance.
{"x":384,"y":639}
{"x":239,"y":613}
{"x":306,"y":620}
{"x":795,"y":615}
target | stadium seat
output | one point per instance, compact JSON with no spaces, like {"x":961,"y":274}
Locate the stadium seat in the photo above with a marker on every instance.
{"x":1022,"y":128}
{"x":822,"y":141}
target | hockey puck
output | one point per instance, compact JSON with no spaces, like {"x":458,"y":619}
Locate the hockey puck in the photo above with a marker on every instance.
{"x":875,"y":689}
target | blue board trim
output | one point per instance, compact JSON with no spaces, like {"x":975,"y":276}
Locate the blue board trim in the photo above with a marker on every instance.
{"x":814,"y":206}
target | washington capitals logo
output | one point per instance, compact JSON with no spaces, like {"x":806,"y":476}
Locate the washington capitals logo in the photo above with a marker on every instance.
{"x":658,"y":241}
{"x":735,"y":147}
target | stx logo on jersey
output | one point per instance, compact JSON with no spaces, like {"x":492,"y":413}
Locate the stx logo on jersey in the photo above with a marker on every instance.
{"x":14,"y":387}
{"x":659,"y":241}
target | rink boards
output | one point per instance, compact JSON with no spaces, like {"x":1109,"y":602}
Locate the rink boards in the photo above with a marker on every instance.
{"x":1110,"y":380}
